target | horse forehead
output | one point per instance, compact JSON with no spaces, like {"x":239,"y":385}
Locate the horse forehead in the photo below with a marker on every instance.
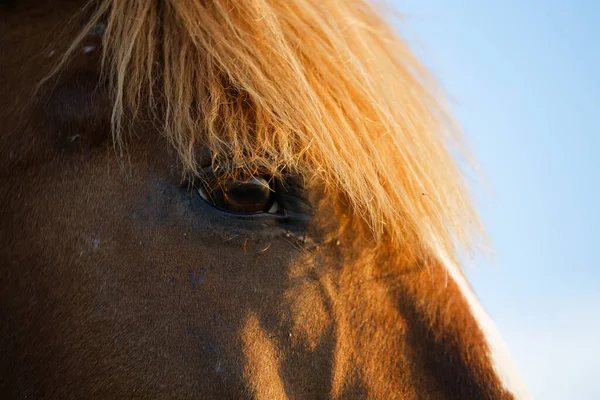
{"x":33,"y":37}
{"x":28,"y":31}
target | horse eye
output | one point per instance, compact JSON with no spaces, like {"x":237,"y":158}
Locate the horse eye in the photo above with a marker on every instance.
{"x":252,"y":196}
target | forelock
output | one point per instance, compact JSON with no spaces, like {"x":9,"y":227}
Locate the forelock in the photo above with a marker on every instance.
{"x":324,"y":88}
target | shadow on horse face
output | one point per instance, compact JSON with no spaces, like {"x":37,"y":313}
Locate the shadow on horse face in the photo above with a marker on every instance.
{"x":114,"y":269}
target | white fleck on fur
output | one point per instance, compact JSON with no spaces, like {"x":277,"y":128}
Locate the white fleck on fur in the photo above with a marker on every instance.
{"x":502,"y":362}
{"x":87,"y":49}
{"x":97,"y":30}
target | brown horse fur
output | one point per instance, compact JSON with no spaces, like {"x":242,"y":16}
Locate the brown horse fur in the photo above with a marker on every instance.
{"x":118,"y":281}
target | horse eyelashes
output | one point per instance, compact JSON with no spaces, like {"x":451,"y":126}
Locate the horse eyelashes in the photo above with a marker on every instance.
{"x":249,"y":196}
{"x":253,"y":194}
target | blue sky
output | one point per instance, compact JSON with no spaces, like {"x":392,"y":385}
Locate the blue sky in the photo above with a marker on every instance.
{"x":523,"y":77}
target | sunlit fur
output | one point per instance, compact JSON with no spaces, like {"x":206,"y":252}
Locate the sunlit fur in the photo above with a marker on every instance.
{"x":326,"y":88}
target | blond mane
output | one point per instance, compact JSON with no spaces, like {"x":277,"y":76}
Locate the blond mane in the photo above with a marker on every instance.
{"x":325,"y":88}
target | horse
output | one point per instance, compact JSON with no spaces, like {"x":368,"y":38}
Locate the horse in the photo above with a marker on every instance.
{"x":233,"y":199}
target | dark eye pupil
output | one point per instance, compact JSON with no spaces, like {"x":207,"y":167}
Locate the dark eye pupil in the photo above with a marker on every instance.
{"x":250,"y":196}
